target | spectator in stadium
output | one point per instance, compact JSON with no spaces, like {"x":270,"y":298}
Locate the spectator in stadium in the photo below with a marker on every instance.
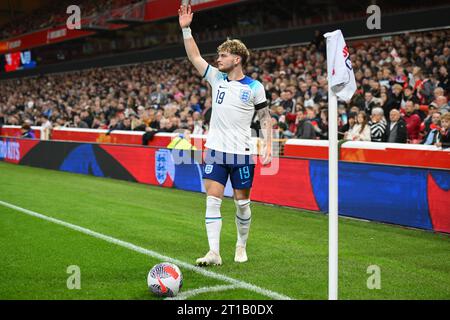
{"x":396,"y":131}
{"x":438,"y":91}
{"x":305,"y":130}
{"x":198,"y":127}
{"x":97,"y":124}
{"x":323,"y":125}
{"x":27,"y":132}
{"x":442,"y":104}
{"x":351,"y":121}
{"x":13,"y":120}
{"x":444,"y":78}
{"x":386,"y":102}
{"x":195,"y":105}
{"x":125,"y":125}
{"x":432,"y":134}
{"x":361,"y":130}
{"x":159,"y":97}
{"x":282,"y":128}
{"x":86,"y":117}
{"x":46,"y":127}
{"x":412,"y":122}
{"x":287,"y":101}
{"x":61,"y":123}
{"x":369,"y":102}
{"x":408,"y":94}
{"x":78,"y":123}
{"x":311,"y":115}
{"x":377,"y":125}
{"x":182,"y":141}
{"x":396,"y":98}
{"x":425,"y":125}
{"x":446,"y":55}
{"x":275,"y":99}
{"x":2,"y":118}
{"x":422,"y":111}
{"x":165,"y":126}
{"x":443,"y":139}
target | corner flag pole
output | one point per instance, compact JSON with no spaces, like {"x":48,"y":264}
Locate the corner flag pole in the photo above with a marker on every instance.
{"x":341,"y":83}
{"x":332,"y":196}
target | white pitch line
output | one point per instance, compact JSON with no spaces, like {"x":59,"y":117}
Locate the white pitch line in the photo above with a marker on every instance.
{"x":187,"y":294}
{"x":154,"y":254}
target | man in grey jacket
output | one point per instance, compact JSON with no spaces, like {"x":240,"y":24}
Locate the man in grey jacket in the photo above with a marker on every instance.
{"x":305,"y":129}
{"x":396,"y":128}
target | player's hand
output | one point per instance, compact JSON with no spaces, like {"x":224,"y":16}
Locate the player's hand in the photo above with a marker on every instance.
{"x":266,"y":155}
{"x":185,"y":15}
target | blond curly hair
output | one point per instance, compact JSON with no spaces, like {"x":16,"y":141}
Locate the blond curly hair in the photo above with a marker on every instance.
{"x":237,"y":47}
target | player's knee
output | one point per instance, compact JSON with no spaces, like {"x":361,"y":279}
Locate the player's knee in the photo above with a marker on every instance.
{"x":243,"y":207}
{"x":214,"y":188}
{"x":213,"y":203}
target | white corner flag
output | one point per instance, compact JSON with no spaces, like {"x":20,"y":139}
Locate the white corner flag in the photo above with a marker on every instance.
{"x":342,"y":85}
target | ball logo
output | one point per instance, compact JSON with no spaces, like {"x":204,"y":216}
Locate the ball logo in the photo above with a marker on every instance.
{"x":170,"y":270}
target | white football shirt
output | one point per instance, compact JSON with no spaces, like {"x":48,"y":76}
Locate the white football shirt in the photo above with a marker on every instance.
{"x":233,"y":106}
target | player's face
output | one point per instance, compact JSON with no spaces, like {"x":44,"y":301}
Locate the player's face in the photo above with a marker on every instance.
{"x":226,"y":61}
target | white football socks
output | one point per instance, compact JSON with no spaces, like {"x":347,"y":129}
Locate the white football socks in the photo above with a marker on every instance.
{"x":243,"y":220}
{"x":213,"y":220}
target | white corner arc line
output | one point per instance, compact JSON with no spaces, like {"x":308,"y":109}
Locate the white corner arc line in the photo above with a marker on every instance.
{"x":154,"y":254}
{"x":187,"y":294}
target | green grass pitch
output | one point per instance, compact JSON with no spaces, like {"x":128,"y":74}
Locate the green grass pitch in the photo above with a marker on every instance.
{"x":288,"y":248}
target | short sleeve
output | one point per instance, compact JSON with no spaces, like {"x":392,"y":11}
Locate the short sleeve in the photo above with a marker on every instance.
{"x":213,"y":75}
{"x":259,"y":94}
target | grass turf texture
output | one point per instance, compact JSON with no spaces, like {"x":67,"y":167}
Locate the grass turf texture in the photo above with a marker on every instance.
{"x":288,"y":248}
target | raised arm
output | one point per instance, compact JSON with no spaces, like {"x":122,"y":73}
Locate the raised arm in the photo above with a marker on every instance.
{"x":185,"y":15}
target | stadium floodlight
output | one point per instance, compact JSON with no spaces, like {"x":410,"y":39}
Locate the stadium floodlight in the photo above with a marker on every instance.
{"x":341,"y":84}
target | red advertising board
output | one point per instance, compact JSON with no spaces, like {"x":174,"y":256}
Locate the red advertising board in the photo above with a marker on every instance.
{"x":410,"y":155}
{"x":419,"y":156}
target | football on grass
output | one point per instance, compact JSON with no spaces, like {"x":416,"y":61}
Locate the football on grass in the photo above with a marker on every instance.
{"x":165,"y":280}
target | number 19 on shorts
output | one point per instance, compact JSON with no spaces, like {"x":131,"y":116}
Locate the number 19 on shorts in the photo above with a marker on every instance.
{"x":244,"y":172}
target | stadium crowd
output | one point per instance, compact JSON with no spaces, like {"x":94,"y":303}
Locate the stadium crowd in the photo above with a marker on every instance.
{"x":54,"y":13}
{"x":402,"y":96}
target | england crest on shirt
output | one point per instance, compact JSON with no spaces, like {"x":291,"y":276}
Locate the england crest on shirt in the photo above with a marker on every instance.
{"x":244,"y":95}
